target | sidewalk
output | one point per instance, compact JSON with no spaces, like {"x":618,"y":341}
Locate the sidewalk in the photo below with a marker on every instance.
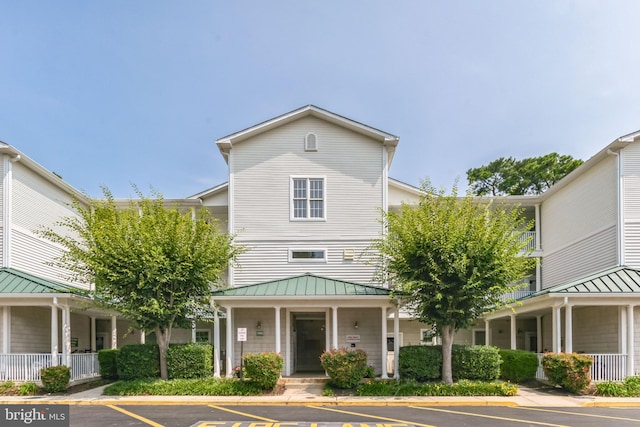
{"x":525,"y":397}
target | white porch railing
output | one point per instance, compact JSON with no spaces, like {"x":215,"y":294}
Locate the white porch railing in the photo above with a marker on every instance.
{"x":606,"y":367}
{"x":515,"y":295}
{"x":26,"y":367}
{"x":531,"y":246}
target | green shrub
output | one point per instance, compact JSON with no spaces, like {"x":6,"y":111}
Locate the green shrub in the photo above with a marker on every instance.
{"x":138,"y":361}
{"x":345,"y":367}
{"x":28,"y":389}
{"x":420,"y":362}
{"x":55,"y":378}
{"x":108,"y":362}
{"x":193,"y":387}
{"x":630,"y":387}
{"x":189,"y":360}
{"x":611,"y":389}
{"x":6,"y":386}
{"x":476,"y":362}
{"x":570,"y":371}
{"x":414,"y":388}
{"x":518,"y":365}
{"x":263,"y":369}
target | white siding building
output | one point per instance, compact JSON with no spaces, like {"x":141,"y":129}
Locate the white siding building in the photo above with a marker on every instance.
{"x":304,"y":195}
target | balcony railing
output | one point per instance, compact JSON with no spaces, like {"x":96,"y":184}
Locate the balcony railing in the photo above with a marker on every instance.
{"x":26,"y":367}
{"x":531,"y":246}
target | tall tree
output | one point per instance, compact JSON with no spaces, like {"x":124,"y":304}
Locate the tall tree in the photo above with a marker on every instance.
{"x":452,"y":259}
{"x":533,"y":175}
{"x":153,"y":264}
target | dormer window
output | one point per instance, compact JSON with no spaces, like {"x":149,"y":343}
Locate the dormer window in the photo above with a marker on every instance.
{"x":311,"y":142}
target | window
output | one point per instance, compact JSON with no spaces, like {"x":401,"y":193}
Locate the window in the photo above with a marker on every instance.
{"x":311,"y":142}
{"x":429,"y":337}
{"x":202,"y":336}
{"x":307,"y":198}
{"x":300,"y":255}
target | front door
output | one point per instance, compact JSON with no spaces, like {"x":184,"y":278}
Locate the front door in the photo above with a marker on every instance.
{"x":309,"y":343}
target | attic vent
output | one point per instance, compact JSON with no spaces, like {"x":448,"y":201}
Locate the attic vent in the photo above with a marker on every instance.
{"x":311,"y":142}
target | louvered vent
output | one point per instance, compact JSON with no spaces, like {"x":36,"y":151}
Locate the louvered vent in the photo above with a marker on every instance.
{"x":311,"y":142}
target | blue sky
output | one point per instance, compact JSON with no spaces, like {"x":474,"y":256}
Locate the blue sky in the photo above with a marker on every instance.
{"x":119,"y":92}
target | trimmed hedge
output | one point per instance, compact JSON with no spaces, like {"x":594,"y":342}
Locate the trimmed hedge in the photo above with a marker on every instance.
{"x":137,"y":361}
{"x":571,"y":371}
{"x":518,"y":365}
{"x":420,"y":362}
{"x":108,"y":361}
{"x":475,"y":362}
{"x":186,"y":361}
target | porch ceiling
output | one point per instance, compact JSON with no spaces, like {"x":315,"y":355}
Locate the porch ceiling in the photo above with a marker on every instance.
{"x":18,"y":282}
{"x":307,"y":285}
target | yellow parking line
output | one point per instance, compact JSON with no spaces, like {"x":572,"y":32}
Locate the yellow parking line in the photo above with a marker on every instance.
{"x":136,"y":416}
{"x":471,"y":414}
{"x":371,"y":416}
{"x":243,"y":413}
{"x":583,"y":415}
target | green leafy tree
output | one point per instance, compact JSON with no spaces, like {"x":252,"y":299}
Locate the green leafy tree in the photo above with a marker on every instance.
{"x":533,"y":175}
{"x":451,"y":259}
{"x":153,"y":264}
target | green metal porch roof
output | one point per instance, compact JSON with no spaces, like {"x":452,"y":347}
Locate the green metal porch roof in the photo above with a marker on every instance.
{"x":618,"y":280}
{"x":307,"y":285}
{"x":18,"y":282}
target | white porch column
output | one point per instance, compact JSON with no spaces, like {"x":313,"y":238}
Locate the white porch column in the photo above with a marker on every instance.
{"x":278,"y":337}
{"x":539,"y":334}
{"x":385,"y":353}
{"x":568,"y":329}
{"x":54,"y":335}
{"x":396,"y":344}
{"x":334,"y":327}
{"x":630,"y":341}
{"x":514,"y":332}
{"x":229,"y":346}
{"x":216,"y":344}
{"x":193,"y":331}
{"x":556,"y":326}
{"x":6,"y":330}
{"x":487,"y":333}
{"x":288,"y":359}
{"x":66,"y":335}
{"x":114,"y":332}
{"x":93,"y":334}
{"x":143,"y":337}
{"x":622,"y":322}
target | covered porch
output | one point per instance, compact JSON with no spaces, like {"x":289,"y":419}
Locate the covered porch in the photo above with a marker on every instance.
{"x":594,"y":316}
{"x":42,"y":324}
{"x":301,"y":317}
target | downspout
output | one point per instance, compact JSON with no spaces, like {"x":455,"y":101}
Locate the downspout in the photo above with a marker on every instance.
{"x":620,"y":217}
{"x":66,"y":332}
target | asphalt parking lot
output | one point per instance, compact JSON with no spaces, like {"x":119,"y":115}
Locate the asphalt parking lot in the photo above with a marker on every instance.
{"x":347,"y":416}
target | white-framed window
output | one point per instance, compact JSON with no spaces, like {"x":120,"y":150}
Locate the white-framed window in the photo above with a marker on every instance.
{"x":307,"y":255}
{"x":311,"y":142}
{"x":308,"y":198}
{"x":203,"y":336}
{"x":479,"y":337}
{"x":429,"y":337}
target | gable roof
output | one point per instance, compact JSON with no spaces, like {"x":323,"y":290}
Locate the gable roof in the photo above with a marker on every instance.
{"x":18,"y":282}
{"x":225,"y":143}
{"x":307,"y":285}
{"x":618,"y":280}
